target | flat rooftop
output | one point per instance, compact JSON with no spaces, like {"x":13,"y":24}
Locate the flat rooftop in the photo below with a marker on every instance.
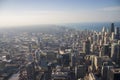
{"x":117,"y":70}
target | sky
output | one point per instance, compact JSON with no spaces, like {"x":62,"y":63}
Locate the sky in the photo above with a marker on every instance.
{"x":35,"y":12}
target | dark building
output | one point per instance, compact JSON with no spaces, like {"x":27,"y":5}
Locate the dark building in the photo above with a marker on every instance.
{"x":117,"y":30}
{"x":112,"y":28}
{"x":106,"y":72}
{"x":49,"y":72}
{"x":73,"y":60}
{"x":115,"y":74}
{"x":117,"y":33}
{"x":106,"y":50}
{"x":80,"y":71}
{"x":118,"y":56}
{"x":30,"y":71}
{"x":30,"y":47}
{"x":86,"y":47}
{"x":65,"y":59}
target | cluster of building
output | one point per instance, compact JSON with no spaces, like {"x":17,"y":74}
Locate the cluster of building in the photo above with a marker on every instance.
{"x":67,"y":55}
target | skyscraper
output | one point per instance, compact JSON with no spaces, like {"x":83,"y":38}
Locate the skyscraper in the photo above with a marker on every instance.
{"x":105,"y":50}
{"x":86,"y":47}
{"x":30,"y":71}
{"x":113,"y":35}
{"x":115,"y":50}
{"x":112,"y":28}
{"x":118,"y":55}
{"x":117,"y":33}
{"x":115,"y":74}
{"x":106,"y":72}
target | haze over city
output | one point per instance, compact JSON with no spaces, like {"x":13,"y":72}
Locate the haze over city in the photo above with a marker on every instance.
{"x":59,"y":39}
{"x":35,"y":12}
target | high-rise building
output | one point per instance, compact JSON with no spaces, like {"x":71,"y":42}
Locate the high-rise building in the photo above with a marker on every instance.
{"x":112,"y":28}
{"x":30,"y":71}
{"x":117,"y":33}
{"x":119,"y":42}
{"x":114,"y":74}
{"x":104,"y":29}
{"x":30,"y":47}
{"x":99,"y":36}
{"x":113,"y":35}
{"x":118,"y":55}
{"x":73,"y":60}
{"x":43,"y":61}
{"x":106,"y":72}
{"x":37,"y":55}
{"x":105,"y":50}
{"x":30,"y":57}
{"x":65,"y":59}
{"x":95,"y":37}
{"x":86,"y":47}
{"x":94,"y":63}
{"x":115,"y":51}
{"x":80,"y":71}
{"x":92,"y":48}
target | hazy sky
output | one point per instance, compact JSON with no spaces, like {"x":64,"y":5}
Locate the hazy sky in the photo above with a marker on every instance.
{"x":35,"y":12}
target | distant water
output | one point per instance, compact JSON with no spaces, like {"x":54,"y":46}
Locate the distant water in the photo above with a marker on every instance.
{"x":56,"y":28}
{"x":91,"y":26}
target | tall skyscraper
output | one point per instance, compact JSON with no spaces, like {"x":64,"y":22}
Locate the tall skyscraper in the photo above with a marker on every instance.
{"x":117,"y":33}
{"x":86,"y":47}
{"x":113,"y":35}
{"x":30,"y":71}
{"x":72,"y":60}
{"x":80,"y":71}
{"x":37,"y":55}
{"x":115,"y":50}
{"x":105,"y":50}
{"x":112,"y":28}
{"x":30,"y":47}
{"x":104,"y":29}
{"x":115,"y":74}
{"x":118,"y":55}
{"x":106,"y":72}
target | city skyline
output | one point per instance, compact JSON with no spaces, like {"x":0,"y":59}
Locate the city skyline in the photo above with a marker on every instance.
{"x":60,"y":54}
{"x":29,"y":12}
